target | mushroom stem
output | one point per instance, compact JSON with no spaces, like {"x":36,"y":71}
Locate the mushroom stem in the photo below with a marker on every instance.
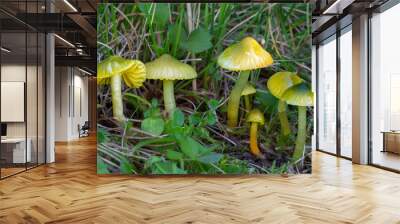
{"x":301,"y":133}
{"x":285,"y":128}
{"x":247,"y":103}
{"x":169,"y":97}
{"x":253,"y":140}
{"x":116,"y":97}
{"x":234,"y":98}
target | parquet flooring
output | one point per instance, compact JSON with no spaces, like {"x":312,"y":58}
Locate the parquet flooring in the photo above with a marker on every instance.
{"x":69,"y":191}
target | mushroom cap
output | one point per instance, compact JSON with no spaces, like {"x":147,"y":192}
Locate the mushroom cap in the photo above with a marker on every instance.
{"x":132,"y":71}
{"x":281,"y":81}
{"x":299,"y":95}
{"x":168,"y":68}
{"x":247,"y":54}
{"x":256,"y":116}
{"x":248,"y":90}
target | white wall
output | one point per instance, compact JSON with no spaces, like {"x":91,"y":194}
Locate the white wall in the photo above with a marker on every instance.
{"x":12,"y":73}
{"x":71,"y":94}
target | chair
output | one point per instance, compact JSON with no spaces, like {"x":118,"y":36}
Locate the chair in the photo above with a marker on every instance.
{"x":84,"y":130}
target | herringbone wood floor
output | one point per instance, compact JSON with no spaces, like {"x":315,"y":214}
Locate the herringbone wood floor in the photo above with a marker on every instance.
{"x":69,"y":191}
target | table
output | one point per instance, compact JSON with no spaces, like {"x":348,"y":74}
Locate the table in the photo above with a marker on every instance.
{"x":16,"y":147}
{"x":391,"y":141}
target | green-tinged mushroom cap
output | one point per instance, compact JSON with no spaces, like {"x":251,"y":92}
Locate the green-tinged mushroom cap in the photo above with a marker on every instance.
{"x":168,"y":68}
{"x":248,"y":90}
{"x":256,"y":116}
{"x":299,"y":95}
{"x":133,"y":71}
{"x":247,"y":54}
{"x":277,"y":85}
{"x":281,"y":81}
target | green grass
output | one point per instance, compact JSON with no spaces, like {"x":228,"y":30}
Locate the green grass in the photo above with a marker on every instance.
{"x":197,"y":140}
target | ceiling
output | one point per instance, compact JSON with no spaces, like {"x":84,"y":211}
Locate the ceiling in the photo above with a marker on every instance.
{"x":73,"y":21}
{"x":332,"y":15}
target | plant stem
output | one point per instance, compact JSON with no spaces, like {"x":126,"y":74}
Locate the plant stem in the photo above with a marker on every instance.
{"x":253,"y":140}
{"x":234,"y":98}
{"x":285,"y":127}
{"x":116,"y":97}
{"x":301,"y":134}
{"x":247,"y":103}
{"x":169,"y":97}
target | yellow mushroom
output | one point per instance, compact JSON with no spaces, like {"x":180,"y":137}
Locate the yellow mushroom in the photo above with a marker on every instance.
{"x":256,"y":118}
{"x":112,"y":70}
{"x":300,"y":95}
{"x":243,"y":57}
{"x":168,"y":69}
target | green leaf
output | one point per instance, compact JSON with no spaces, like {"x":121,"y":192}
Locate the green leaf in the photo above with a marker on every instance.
{"x":158,"y":12}
{"x":126,"y":168}
{"x":101,"y":135}
{"x":162,"y":14}
{"x":166,"y":167}
{"x":154,"y":103}
{"x":178,"y":117}
{"x":201,"y":132}
{"x":176,"y":34}
{"x":153,"y":111}
{"x":267,"y":101}
{"x":198,"y":41}
{"x":174,"y":155}
{"x":190,"y":147}
{"x":194,"y":119}
{"x":211,"y":158}
{"x":173,"y":30}
{"x":153,"y":125}
{"x":211,"y":118}
{"x":101,"y":166}
{"x":153,"y":159}
{"x":213,"y":104}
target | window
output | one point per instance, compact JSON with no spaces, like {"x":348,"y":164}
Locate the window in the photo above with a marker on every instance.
{"x":327,"y":96}
{"x":385,"y":89}
{"x":22,"y":77}
{"x":346,"y":93}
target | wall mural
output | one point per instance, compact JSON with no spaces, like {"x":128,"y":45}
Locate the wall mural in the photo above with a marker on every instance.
{"x":204,"y":88}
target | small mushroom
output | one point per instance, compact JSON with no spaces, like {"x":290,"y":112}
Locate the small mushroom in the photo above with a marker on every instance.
{"x":247,"y":91}
{"x":243,"y":57}
{"x":256,"y":118}
{"x":300,"y":95}
{"x":277,"y":85}
{"x":168,"y":69}
{"x":112,"y":70}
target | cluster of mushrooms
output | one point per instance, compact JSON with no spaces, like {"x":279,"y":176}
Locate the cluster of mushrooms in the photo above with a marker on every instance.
{"x":242,"y":57}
